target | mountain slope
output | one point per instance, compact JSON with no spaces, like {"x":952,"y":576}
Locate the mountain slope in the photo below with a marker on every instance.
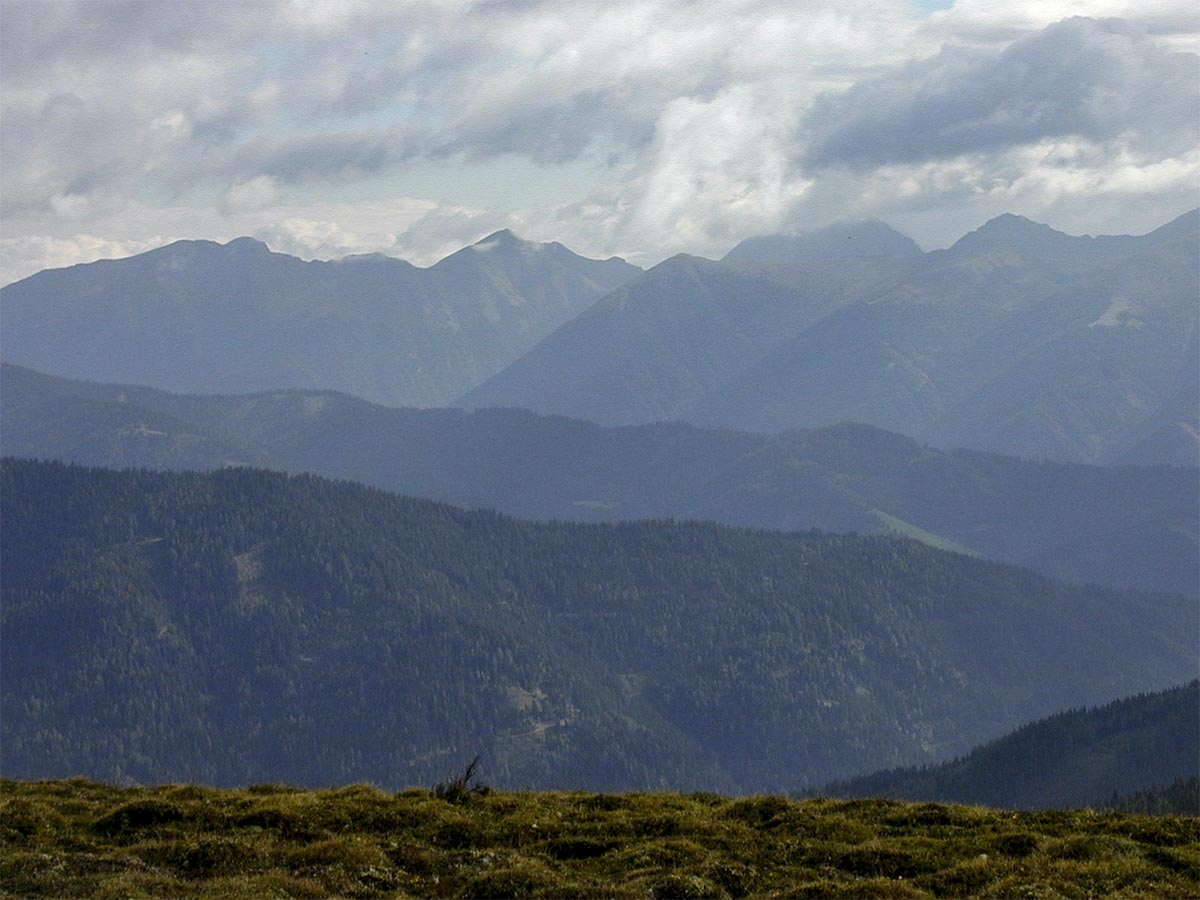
{"x":652,"y":348}
{"x":1100,"y":363}
{"x":1120,"y":526}
{"x":244,"y":626}
{"x":198,"y":316}
{"x":1018,"y":339}
{"x":1078,"y":758}
{"x":360,"y":841}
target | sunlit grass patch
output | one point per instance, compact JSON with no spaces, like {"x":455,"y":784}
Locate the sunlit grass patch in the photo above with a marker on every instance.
{"x":78,"y":839}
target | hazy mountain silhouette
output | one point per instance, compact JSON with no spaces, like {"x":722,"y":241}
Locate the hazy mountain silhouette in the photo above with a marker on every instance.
{"x":200,"y":316}
{"x":1122,"y":526}
{"x":1018,"y":339}
{"x":846,"y":240}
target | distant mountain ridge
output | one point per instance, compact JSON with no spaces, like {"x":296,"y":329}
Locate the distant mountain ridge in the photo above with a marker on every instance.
{"x":243,"y":626}
{"x":1083,"y":757}
{"x":662,"y":342}
{"x":201,"y":316}
{"x":1018,"y":339}
{"x":1121,"y":526}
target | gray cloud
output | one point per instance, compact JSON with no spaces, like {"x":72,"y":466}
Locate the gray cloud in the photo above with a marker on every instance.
{"x":547,"y":81}
{"x":322,"y":156}
{"x":201,"y":96}
{"x":1099,"y":80}
{"x":694,"y":119}
{"x":103,"y":101}
{"x":35,"y":32}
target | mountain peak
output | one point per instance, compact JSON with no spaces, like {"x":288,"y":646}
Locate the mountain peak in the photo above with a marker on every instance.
{"x":1012,"y":232}
{"x":502,"y":238}
{"x":842,"y":240}
{"x":679,"y":265}
{"x":1011,"y":223}
{"x":1009,"y":220}
{"x":247,"y":245}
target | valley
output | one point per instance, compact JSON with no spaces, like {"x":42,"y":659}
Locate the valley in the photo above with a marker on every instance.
{"x":301,"y":586}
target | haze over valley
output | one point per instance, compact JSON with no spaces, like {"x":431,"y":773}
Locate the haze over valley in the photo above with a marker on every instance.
{"x":677,"y":337}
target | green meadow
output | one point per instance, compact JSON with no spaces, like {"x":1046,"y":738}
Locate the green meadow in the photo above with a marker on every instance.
{"x":77,"y":838}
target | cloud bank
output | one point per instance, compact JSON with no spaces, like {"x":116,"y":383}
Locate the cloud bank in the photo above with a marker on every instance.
{"x":642,"y":127}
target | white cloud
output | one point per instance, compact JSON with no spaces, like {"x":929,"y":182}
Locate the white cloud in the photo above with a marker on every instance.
{"x":313,"y":239}
{"x":1072,"y":185}
{"x":254,"y":193}
{"x":715,"y":169}
{"x":22,"y":256}
{"x":312,"y":231}
{"x":1174,"y":22}
{"x":1098,"y":80}
{"x":129,"y":121}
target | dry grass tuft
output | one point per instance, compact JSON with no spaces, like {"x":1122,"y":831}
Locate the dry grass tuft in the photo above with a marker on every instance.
{"x":76,"y":838}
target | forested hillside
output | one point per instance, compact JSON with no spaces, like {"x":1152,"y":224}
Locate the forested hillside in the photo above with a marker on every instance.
{"x":1121,"y":526}
{"x":1085,"y":757}
{"x":244,"y":626}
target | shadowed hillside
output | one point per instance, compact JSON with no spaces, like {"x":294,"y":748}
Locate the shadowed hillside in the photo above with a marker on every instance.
{"x":1078,"y":758}
{"x":244,"y":626}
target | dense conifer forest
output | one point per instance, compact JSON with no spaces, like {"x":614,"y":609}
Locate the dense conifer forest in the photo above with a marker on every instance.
{"x":243,"y":626}
{"x":1140,"y":753}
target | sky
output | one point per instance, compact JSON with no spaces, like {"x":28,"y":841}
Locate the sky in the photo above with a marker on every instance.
{"x":638,"y":128}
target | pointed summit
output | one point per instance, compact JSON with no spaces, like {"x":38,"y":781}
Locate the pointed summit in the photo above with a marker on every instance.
{"x":502,"y":238}
{"x":1008,"y":225}
{"x":1019,"y":235}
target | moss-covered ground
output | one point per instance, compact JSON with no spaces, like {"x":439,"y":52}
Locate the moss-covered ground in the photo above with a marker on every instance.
{"x":76,"y":838}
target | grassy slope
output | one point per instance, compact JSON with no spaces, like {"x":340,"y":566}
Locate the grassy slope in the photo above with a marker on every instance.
{"x":80,"y":839}
{"x":909,"y":530}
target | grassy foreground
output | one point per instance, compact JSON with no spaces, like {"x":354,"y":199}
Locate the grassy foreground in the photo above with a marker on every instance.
{"x":76,"y":838}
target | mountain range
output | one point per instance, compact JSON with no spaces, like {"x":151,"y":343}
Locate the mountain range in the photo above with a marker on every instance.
{"x":1022,"y":397}
{"x":206,"y":317}
{"x":1122,"y":526}
{"x":244,"y":626}
{"x":1017,"y":339}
